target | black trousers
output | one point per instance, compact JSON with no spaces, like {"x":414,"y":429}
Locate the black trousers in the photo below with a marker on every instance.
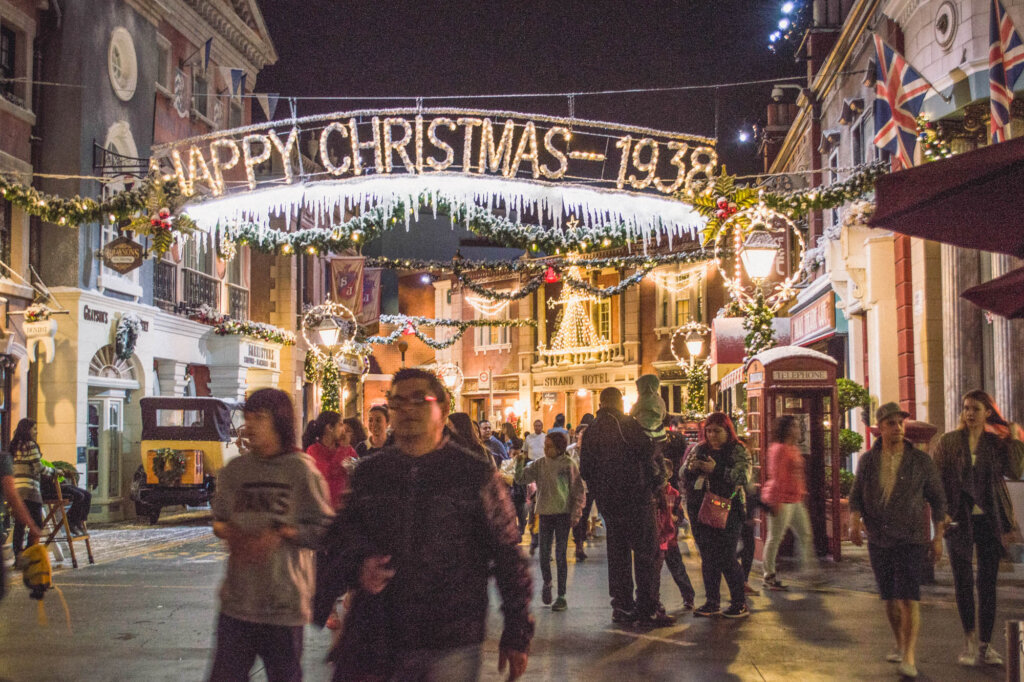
{"x":633,"y":552}
{"x":673,"y":558}
{"x":35,"y":510}
{"x":554,"y":526}
{"x":579,"y":531}
{"x":240,"y":642}
{"x":80,"y":499}
{"x":718,"y":560}
{"x":975,"y":531}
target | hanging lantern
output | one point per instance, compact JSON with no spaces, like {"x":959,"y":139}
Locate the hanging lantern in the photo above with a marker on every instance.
{"x":409,"y":329}
{"x":550,"y":276}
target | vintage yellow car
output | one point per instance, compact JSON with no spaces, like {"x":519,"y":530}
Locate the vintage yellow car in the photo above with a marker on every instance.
{"x":185,"y":442}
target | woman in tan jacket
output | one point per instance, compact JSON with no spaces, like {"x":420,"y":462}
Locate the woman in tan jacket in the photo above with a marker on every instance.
{"x":973,"y":461}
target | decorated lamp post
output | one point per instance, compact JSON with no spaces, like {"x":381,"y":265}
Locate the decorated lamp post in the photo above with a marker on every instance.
{"x":329,"y":331}
{"x":695,"y":372}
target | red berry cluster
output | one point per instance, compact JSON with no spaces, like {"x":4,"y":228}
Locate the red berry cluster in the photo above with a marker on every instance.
{"x":162,"y":220}
{"x":725,"y":208}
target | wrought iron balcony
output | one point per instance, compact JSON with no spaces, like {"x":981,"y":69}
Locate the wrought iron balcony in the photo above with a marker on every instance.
{"x":238,"y":302}
{"x":545,"y":357}
{"x":199,"y":289}
{"x":165,"y":285}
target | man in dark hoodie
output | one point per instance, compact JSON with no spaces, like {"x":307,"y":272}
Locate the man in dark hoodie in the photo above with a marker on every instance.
{"x":623,"y":472}
{"x":423,"y":527}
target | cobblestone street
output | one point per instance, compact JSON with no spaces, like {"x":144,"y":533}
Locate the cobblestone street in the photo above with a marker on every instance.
{"x":146,"y":609}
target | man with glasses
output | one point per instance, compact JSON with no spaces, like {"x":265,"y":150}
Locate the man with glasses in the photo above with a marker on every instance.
{"x":894,"y":480}
{"x":423,"y":525}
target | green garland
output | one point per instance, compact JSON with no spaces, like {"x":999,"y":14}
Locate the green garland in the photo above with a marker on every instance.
{"x":80,"y":210}
{"x":324,"y":370}
{"x":406,"y":323}
{"x":605,"y":292}
{"x":797,"y":204}
{"x":757,"y":323}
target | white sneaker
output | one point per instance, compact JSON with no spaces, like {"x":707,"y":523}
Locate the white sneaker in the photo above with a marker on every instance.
{"x":989,"y":656}
{"x":894,"y":656}
{"x":907,"y":670}
{"x":969,"y":657}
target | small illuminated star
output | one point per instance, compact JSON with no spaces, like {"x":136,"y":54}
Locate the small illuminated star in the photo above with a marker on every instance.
{"x":572,"y":223}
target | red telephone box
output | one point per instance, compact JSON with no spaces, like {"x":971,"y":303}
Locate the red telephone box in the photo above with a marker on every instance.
{"x":801,"y":382}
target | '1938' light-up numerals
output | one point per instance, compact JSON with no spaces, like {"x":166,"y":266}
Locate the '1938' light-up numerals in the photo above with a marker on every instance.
{"x":703,"y":160}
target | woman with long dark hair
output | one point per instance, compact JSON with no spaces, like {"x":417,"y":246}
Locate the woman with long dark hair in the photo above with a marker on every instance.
{"x":377,"y":420}
{"x":973,"y":461}
{"x":28,"y":470}
{"x":784,"y":494}
{"x":329,"y":447}
{"x":467,"y":434}
{"x":719,"y":464}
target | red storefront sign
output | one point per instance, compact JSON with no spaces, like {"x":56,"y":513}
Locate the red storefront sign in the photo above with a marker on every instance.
{"x":814,"y":321}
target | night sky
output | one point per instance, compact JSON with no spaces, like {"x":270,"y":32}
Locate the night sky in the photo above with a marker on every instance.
{"x":375,"y":48}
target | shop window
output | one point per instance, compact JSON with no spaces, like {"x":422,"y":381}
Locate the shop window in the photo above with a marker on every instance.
{"x":200,"y":95}
{"x":163,"y":64}
{"x":603,"y":318}
{"x":682,"y":311}
{"x":8,"y":53}
{"x":5,"y":233}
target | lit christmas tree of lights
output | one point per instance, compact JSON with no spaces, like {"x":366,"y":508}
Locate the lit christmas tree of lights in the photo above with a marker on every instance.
{"x":576,"y":333}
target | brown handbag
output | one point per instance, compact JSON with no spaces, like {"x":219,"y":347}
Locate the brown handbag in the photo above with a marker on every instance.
{"x":714,"y":510}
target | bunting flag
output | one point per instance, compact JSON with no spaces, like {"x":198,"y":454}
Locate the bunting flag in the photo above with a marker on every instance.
{"x":206,"y":54}
{"x":347,"y":281}
{"x":1005,"y":63}
{"x":268,"y":102}
{"x":899,"y":94}
{"x":237,"y":80}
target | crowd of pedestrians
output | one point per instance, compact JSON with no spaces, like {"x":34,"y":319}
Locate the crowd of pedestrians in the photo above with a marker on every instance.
{"x":407,"y":533}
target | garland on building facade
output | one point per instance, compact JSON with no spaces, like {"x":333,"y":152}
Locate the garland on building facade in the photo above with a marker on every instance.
{"x":934,"y":146}
{"x":127,"y":335}
{"x":408,"y":325}
{"x":224,"y":325}
{"x":858,"y":185}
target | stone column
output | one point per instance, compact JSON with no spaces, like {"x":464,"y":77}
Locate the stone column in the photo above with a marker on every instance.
{"x":961,"y":330}
{"x":171,"y":376}
{"x":228,"y":382}
{"x":1009,"y":368}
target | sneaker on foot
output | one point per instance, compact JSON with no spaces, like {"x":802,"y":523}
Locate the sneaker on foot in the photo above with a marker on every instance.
{"x":545,"y":593}
{"x":989,"y":656}
{"x":894,"y":656}
{"x":688,"y":605}
{"x":773,"y":583}
{"x":907,"y":669}
{"x":559,"y":605}
{"x":658,"y":619}
{"x":969,"y":657}
{"x":581,"y":555}
{"x":623,"y":616}
{"x":707,"y":611}
{"x":736,"y":611}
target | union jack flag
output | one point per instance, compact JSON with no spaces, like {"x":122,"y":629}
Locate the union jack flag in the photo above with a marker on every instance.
{"x":899,"y":94}
{"x":1005,"y":63}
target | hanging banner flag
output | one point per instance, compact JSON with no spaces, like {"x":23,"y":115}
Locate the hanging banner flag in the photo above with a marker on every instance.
{"x":369,"y":311}
{"x":347,"y":281}
{"x":268,"y":102}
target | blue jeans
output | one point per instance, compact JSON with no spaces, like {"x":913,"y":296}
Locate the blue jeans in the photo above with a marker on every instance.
{"x":239,"y":642}
{"x":440,"y":665}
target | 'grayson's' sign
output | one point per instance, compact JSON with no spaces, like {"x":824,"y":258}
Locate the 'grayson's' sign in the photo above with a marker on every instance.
{"x":468,"y":141}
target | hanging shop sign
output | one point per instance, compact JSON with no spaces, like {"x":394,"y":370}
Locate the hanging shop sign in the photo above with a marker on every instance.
{"x":123,"y":255}
{"x":40,"y":334}
{"x":420,"y":141}
{"x":814,"y":321}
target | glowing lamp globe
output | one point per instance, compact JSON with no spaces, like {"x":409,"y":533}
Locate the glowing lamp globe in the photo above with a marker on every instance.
{"x":694,"y":344}
{"x":328,"y":331}
{"x":449,"y":381}
{"x":758,"y":254}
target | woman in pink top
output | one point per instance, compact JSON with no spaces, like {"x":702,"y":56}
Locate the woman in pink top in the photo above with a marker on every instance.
{"x":784,"y":494}
{"x":326,"y":442}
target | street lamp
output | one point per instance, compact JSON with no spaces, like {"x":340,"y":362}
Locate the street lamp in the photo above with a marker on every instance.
{"x":328,"y":331}
{"x":694,"y":344}
{"x":758,"y":255}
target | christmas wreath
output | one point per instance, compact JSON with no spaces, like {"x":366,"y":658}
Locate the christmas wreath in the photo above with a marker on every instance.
{"x":169,"y":466}
{"x":127,"y":335}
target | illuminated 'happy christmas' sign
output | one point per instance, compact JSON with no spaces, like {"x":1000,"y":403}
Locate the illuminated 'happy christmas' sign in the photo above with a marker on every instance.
{"x":424,"y":141}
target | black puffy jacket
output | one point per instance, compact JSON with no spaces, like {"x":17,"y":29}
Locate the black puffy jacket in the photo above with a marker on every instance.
{"x":447,"y":522}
